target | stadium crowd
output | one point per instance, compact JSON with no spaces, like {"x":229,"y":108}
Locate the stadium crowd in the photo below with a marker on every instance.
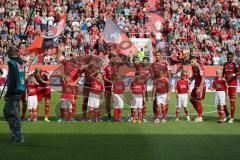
{"x":207,"y":28}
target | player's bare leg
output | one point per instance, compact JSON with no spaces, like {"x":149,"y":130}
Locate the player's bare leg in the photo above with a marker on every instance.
{"x":35,"y":115}
{"x":187,"y":113}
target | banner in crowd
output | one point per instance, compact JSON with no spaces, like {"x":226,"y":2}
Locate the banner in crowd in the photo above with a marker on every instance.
{"x":112,"y":34}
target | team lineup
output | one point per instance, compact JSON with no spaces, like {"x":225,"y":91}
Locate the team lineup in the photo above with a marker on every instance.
{"x":108,"y":81}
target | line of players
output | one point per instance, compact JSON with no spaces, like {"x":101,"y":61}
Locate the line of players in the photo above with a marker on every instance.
{"x":109,"y":82}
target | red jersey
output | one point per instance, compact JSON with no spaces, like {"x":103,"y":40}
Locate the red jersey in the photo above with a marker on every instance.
{"x":228,"y":70}
{"x":110,"y":73}
{"x":161,"y":85}
{"x":31,"y":89}
{"x":198,"y":71}
{"x":220,"y":84}
{"x":119,"y":87}
{"x":44,"y":76}
{"x":68,"y":91}
{"x":137,"y":87}
{"x":157,"y":66}
{"x":71,"y":69}
{"x":90,"y":69}
{"x":97,"y":87}
{"x":182,"y":86}
{"x":143,"y":70}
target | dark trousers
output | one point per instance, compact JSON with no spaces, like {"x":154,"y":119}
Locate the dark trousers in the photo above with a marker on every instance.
{"x":12,"y":115}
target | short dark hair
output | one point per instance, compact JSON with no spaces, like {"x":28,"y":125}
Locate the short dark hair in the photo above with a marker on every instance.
{"x":230,"y":54}
{"x":110,"y":56}
{"x":145,"y":58}
{"x":193,"y":56}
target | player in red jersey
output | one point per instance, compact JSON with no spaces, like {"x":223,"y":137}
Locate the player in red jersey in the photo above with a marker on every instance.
{"x":182,"y":94}
{"x":221,"y":88}
{"x":138,"y":97}
{"x":230,"y":73}
{"x":68,"y":96}
{"x":97,"y":88}
{"x":118,"y":98}
{"x":32,"y":101}
{"x":109,"y":76}
{"x":161,"y":94}
{"x":159,"y":65}
{"x":93,"y":67}
{"x":43,"y":90}
{"x":198,"y":92}
{"x":143,"y":69}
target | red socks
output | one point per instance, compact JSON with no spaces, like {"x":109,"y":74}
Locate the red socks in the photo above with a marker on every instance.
{"x":117,"y":114}
{"x":144,"y":110}
{"x":233,"y":107}
{"x":199,"y":108}
{"x":74,"y":108}
{"x":221,"y":114}
{"x":47,"y":106}
{"x":177,"y":112}
{"x":164,"y":111}
{"x":157,"y":112}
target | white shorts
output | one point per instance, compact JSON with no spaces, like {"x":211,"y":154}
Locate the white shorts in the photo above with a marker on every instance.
{"x":66,"y":104}
{"x":32,"y":102}
{"x":94,"y":100}
{"x":162,"y":99}
{"x":220,"y":98}
{"x":137,"y":101}
{"x":118,"y":101}
{"x":182,"y":100}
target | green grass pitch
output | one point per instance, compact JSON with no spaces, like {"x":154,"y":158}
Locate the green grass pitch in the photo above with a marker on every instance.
{"x":125,"y":141}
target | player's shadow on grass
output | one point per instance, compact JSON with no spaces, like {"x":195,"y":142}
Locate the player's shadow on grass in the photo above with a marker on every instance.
{"x":122,"y":147}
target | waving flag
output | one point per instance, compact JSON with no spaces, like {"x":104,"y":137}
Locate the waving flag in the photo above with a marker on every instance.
{"x":113,"y":34}
{"x":45,"y":42}
{"x":57,"y":30}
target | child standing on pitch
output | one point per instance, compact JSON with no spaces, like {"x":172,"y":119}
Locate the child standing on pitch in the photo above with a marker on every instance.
{"x":182,"y":94}
{"x":118,"y":98}
{"x":221,"y":88}
{"x":137,"y":97}
{"x":32,"y":101}
{"x":97,"y":88}
{"x":161,"y":92}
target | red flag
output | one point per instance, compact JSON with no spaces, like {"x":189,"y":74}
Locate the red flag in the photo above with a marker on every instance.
{"x":113,"y":34}
{"x":36,"y":46}
{"x":58,"y":29}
